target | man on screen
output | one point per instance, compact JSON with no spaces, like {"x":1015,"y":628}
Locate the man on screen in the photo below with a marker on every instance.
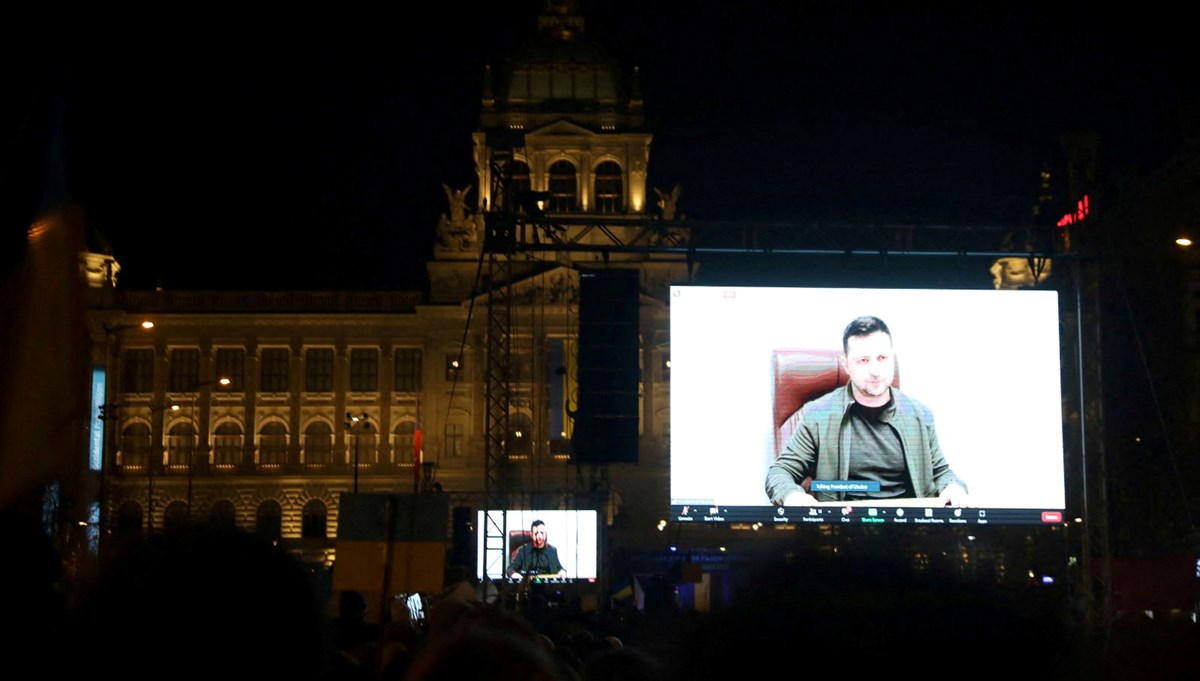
{"x":537,"y":557}
{"x":867,"y":431}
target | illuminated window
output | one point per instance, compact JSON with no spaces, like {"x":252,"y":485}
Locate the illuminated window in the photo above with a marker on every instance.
{"x":184,"y":375}
{"x":273,"y":444}
{"x":609,"y":188}
{"x":181,"y":443}
{"x":318,"y":443}
{"x":273,"y":370}
{"x":137,"y":371}
{"x":519,"y":441}
{"x":407,"y":370}
{"x":364,"y":370}
{"x":318,"y":370}
{"x":135,"y":445}
{"x":231,"y":364}
{"x":227,"y":444}
{"x":362,"y":445}
{"x":564,"y":189}
{"x":403,"y":438}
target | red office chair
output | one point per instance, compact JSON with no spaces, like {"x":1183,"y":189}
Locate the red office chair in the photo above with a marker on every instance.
{"x":800,"y":376}
{"x":517,"y":539}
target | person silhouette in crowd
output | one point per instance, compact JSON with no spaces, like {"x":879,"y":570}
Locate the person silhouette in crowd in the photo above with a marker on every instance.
{"x":470,"y":640}
{"x":870,"y":613}
{"x":204,"y":602}
{"x":35,"y":608}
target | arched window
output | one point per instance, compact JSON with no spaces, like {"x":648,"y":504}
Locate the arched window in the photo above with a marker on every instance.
{"x":318,"y":443}
{"x":175,"y":517}
{"x":402,"y":443}
{"x":564,"y":190}
{"x":313,"y":523}
{"x":227,"y":445}
{"x":268,"y":520}
{"x":360,"y":446}
{"x":272,"y":444}
{"x":610,"y":188}
{"x":129,"y":521}
{"x":223,"y":514}
{"x":135,"y":445}
{"x":181,"y":443}
{"x":519,"y":442}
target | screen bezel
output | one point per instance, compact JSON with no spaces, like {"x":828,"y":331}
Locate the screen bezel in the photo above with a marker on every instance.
{"x":987,"y":362}
{"x":574,"y":533}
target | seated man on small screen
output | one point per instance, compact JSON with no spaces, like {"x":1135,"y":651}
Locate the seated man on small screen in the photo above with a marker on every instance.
{"x":868,"y":432}
{"x":537,"y":557}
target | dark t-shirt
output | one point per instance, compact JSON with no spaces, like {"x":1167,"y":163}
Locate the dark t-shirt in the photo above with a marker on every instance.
{"x":876,"y":454}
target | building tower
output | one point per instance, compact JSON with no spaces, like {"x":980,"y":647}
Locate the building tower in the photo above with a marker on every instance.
{"x":561,"y":160}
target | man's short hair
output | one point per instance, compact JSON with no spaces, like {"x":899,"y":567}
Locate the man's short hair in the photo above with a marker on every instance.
{"x":535,"y":524}
{"x":863,"y":326}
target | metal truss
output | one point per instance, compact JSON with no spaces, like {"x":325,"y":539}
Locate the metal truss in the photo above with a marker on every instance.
{"x":617,"y":234}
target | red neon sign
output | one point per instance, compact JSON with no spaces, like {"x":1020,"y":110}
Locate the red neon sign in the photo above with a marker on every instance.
{"x":1082,"y":208}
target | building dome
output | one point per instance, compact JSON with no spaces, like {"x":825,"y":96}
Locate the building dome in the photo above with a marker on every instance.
{"x":561,"y":69}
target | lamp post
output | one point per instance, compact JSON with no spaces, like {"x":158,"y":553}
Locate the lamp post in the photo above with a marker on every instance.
{"x":109,"y":418}
{"x":108,"y":412}
{"x":150,"y":473}
{"x":356,"y":423}
{"x":223,"y":381}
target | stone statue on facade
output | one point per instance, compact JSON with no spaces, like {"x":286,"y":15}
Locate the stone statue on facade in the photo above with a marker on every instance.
{"x":668,"y":202}
{"x":457,"y":230}
{"x":1019,"y":272}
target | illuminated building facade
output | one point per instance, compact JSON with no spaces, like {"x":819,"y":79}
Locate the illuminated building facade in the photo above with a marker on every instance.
{"x":259,"y":409}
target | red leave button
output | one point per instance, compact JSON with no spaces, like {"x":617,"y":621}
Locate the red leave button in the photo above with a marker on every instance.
{"x":1051,"y":516}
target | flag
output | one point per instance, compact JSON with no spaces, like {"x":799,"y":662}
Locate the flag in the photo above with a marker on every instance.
{"x":391,"y":543}
{"x":417,"y":447}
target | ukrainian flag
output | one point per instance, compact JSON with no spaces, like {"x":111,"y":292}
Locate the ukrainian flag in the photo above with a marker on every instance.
{"x":391,"y":543}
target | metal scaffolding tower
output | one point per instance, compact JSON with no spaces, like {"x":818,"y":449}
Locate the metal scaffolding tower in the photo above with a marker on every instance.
{"x":498,"y":242}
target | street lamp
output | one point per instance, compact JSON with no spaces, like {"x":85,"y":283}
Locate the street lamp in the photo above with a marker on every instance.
{"x":144,"y":324}
{"x":150,"y":473}
{"x":224,"y":382}
{"x":357,"y":423}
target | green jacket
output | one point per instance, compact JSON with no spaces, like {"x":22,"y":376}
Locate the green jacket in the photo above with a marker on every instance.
{"x":819,"y":447}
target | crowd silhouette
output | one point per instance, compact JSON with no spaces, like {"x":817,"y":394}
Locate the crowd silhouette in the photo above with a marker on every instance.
{"x":207,"y":601}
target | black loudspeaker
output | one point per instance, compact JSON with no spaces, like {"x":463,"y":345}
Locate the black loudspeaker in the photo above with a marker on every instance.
{"x":607,"y":373}
{"x":462,"y":544}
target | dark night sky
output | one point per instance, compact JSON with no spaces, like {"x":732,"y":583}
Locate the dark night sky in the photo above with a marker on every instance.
{"x":306,"y":148}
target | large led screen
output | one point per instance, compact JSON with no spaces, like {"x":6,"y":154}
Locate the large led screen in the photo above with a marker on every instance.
{"x":552,"y":546}
{"x":975,"y":399}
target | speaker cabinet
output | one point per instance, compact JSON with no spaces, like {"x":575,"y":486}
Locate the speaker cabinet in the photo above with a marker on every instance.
{"x":608,"y":374}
